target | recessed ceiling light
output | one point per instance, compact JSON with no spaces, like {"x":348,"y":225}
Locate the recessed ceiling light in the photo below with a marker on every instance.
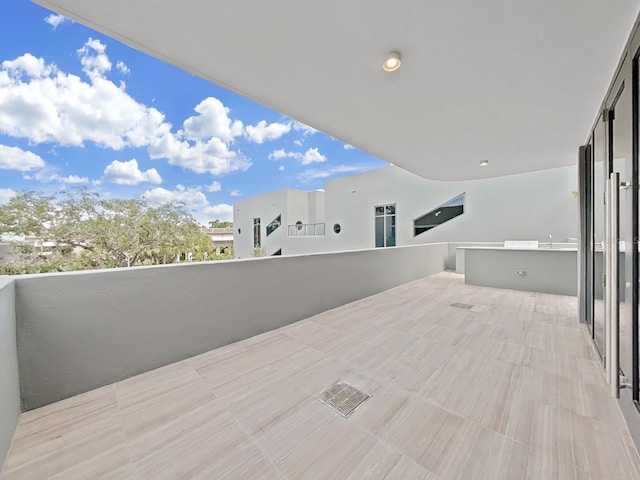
{"x":392,"y":62}
{"x":484,"y":163}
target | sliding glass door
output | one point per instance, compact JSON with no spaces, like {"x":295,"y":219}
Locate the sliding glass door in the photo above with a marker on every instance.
{"x":600,"y":173}
{"x":620,"y":157}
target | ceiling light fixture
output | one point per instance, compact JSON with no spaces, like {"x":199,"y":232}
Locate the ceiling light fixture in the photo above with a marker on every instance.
{"x":484,"y":163}
{"x":392,"y":62}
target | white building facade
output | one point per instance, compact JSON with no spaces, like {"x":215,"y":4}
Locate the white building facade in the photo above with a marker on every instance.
{"x":392,"y":207}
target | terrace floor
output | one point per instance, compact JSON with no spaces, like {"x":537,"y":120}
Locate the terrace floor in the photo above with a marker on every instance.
{"x":508,"y":390}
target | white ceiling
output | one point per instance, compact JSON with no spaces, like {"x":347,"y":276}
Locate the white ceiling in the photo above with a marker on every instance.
{"x":516,"y":82}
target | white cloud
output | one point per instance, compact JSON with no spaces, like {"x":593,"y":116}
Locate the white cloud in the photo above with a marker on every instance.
{"x":348,"y":146}
{"x":313,"y":156}
{"x":305,"y":129}
{"x":213,"y":121}
{"x":298,"y":142}
{"x":93,"y":58}
{"x":6,"y":194}
{"x":212,"y":156}
{"x":194,"y":199}
{"x":221,"y":211}
{"x":46,"y":176}
{"x":280,"y":154}
{"x":28,"y":65}
{"x":204,"y":144}
{"x":191,"y":197}
{"x":214,"y":187}
{"x":55,"y":20}
{"x":234,"y":193}
{"x":74,"y":179}
{"x":309,"y":175}
{"x":281,"y":168}
{"x":43,"y":104}
{"x":122,"y":68}
{"x":262,"y":132}
{"x":14,"y":158}
{"x":128,"y":173}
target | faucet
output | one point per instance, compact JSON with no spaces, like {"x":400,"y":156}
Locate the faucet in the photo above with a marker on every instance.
{"x":550,"y":241}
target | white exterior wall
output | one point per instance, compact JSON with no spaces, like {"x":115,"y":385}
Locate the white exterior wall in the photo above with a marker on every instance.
{"x":517,"y":207}
{"x":293,"y":205}
{"x":298,"y":207}
{"x":269,"y":207}
{"x":316,"y":207}
{"x":10,"y":404}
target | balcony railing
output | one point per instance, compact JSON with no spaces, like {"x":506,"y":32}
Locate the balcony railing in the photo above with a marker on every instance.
{"x":307,"y":230}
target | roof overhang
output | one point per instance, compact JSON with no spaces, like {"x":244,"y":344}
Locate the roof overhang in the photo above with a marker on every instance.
{"x":517,"y":83}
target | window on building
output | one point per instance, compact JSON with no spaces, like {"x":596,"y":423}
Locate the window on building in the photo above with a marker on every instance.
{"x":385,"y":218}
{"x":275,"y":223}
{"x":445,"y":212}
{"x":257,"y":240}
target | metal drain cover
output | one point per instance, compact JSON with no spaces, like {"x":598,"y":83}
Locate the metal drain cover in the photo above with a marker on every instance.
{"x":472,"y":308}
{"x":466,"y":306}
{"x":342,"y":397}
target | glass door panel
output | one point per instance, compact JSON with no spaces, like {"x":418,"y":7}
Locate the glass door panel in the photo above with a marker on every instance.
{"x":587,"y":196}
{"x":600,"y":175}
{"x":634,"y":380}
{"x":621,"y":155}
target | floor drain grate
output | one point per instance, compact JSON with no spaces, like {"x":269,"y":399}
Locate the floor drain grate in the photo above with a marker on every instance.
{"x":466,"y":306}
{"x":342,"y":397}
{"x":472,"y":308}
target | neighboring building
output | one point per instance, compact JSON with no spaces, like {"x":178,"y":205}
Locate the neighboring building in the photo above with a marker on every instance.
{"x":222,"y":238}
{"x":392,"y":207}
{"x":263,"y":222}
{"x":10,"y":241}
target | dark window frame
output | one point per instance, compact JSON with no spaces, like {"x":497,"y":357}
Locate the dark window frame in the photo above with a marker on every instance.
{"x":440,"y":215}
{"x":257,"y":234}
{"x":387,"y":213}
{"x":274,"y":224}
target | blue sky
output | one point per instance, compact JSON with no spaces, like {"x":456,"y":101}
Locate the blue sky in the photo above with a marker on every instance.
{"x":79,"y":108}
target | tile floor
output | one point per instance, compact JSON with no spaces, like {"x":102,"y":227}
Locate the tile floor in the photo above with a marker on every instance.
{"x":512,"y":390}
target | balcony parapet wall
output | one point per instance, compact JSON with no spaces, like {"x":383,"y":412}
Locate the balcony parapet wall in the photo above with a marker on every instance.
{"x":81,"y":330}
{"x":9,"y":382}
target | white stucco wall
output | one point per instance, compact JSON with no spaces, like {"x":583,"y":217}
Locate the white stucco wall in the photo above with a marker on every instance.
{"x":316,"y":207}
{"x":269,"y":207}
{"x":10,"y":406}
{"x":82,"y":330}
{"x":517,"y":207}
{"x":292,"y":205}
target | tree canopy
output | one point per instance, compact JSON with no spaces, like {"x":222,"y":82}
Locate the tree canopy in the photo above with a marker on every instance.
{"x":220,"y":224}
{"x":80,"y":230}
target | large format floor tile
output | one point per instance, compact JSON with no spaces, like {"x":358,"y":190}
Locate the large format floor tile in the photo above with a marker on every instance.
{"x":509,"y":389}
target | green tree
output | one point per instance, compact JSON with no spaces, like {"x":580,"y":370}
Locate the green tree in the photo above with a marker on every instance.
{"x":220,"y":224}
{"x":81,"y":230}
